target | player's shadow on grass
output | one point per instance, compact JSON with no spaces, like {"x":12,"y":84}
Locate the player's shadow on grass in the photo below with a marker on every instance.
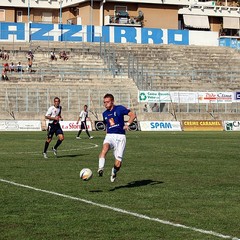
{"x":71,"y":155}
{"x":138,"y":184}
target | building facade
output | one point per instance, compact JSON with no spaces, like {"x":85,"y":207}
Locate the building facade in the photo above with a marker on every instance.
{"x":217,"y":16}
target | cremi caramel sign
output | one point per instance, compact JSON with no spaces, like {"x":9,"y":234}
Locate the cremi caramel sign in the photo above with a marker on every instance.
{"x":202,"y":125}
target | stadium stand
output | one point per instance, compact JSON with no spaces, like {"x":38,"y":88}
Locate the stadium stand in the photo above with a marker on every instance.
{"x":122,"y":69}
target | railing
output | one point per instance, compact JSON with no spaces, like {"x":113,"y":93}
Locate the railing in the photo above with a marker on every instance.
{"x":22,"y":100}
{"x":123,"y":20}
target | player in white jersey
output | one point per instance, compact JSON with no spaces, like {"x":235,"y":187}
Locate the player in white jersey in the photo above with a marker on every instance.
{"x":54,"y":116}
{"x":83,"y":116}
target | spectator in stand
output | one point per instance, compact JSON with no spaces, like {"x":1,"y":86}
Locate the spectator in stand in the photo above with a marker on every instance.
{"x":155,"y":107}
{"x":63,"y":55}
{"x":19,"y":67}
{"x":53,"y":56}
{"x":29,"y":67}
{"x":4,"y":74}
{"x":6,"y":67}
{"x":5,"y":55}
{"x":1,"y":54}
{"x":12,"y":67}
{"x":30,"y":55}
{"x":145,"y":109}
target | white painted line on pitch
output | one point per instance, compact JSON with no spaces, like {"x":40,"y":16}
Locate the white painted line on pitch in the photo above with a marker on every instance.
{"x":124,"y":211}
{"x":61,"y":150}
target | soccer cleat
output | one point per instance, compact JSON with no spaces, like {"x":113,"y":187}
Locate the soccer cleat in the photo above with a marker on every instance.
{"x":91,"y":137}
{"x":54,"y":151}
{"x":113,"y":175}
{"x":45,"y":155}
{"x":100,"y":172}
{"x":78,"y":138}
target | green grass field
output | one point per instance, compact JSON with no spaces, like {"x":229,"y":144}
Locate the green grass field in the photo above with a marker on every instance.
{"x":172,"y":186}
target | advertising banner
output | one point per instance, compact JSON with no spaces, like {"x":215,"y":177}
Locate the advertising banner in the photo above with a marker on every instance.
{"x":215,"y":97}
{"x":187,"y":97}
{"x":184,"y":97}
{"x":100,"y":126}
{"x":72,"y":126}
{"x":202,"y":125}
{"x":160,"y":126}
{"x":154,"y":97}
{"x":13,"y":125}
{"x":232,"y":125}
{"x":236,"y":97}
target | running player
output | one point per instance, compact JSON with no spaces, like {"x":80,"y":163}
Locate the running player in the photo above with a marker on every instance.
{"x":54,"y":116}
{"x":115,"y":137}
{"x":83,"y":116}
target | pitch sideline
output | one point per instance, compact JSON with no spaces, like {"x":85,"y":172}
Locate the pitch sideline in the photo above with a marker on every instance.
{"x":123,"y":211}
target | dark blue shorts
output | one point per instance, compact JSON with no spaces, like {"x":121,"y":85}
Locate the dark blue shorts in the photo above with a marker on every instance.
{"x":83,"y":125}
{"x":54,"y":129}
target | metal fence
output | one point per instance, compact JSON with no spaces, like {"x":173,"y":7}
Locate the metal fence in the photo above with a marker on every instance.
{"x":25,"y":100}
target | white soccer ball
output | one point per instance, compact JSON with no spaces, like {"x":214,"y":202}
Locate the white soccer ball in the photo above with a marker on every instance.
{"x":86,"y":174}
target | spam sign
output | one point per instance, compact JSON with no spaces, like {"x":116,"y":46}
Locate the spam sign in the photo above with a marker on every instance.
{"x":202,"y":125}
{"x":160,"y":126}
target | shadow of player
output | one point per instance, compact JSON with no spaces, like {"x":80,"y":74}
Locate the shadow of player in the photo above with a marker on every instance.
{"x":137,"y":184}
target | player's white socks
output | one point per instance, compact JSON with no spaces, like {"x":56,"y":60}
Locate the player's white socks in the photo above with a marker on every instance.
{"x":101,"y":163}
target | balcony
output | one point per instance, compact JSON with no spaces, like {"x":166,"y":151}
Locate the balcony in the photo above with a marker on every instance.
{"x":122,"y":18}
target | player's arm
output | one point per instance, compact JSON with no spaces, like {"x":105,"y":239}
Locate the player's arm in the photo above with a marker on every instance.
{"x":80,"y":117}
{"x":78,"y":120}
{"x":49,"y":117}
{"x":132,"y":116}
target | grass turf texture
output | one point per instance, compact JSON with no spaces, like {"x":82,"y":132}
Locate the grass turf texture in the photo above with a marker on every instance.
{"x":190,"y":178}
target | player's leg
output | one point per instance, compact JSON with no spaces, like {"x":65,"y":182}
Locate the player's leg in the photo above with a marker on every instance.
{"x":46,"y":145}
{"x":80,"y":130}
{"x":119,"y":149}
{"x":115,"y":169}
{"x":86,"y":129}
{"x":89,"y":136}
{"x":60,"y":136}
{"x":84,"y":126}
{"x":79,"y":133}
{"x":48,"y":140}
{"x":102,"y":157}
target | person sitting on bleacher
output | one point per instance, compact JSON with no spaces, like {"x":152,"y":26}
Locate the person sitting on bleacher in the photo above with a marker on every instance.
{"x":6,"y":67}
{"x":63,"y":55}
{"x":29,"y":67}
{"x":19,"y":67}
{"x":4,"y":74}
{"x":53,"y":56}
{"x":12,"y":67}
{"x":5,"y":55}
{"x":1,"y":54}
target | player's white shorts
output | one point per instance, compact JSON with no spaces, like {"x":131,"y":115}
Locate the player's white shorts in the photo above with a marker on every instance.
{"x":117,"y":142}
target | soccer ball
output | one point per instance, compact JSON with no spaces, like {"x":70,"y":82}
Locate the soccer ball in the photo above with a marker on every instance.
{"x":86,"y":174}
